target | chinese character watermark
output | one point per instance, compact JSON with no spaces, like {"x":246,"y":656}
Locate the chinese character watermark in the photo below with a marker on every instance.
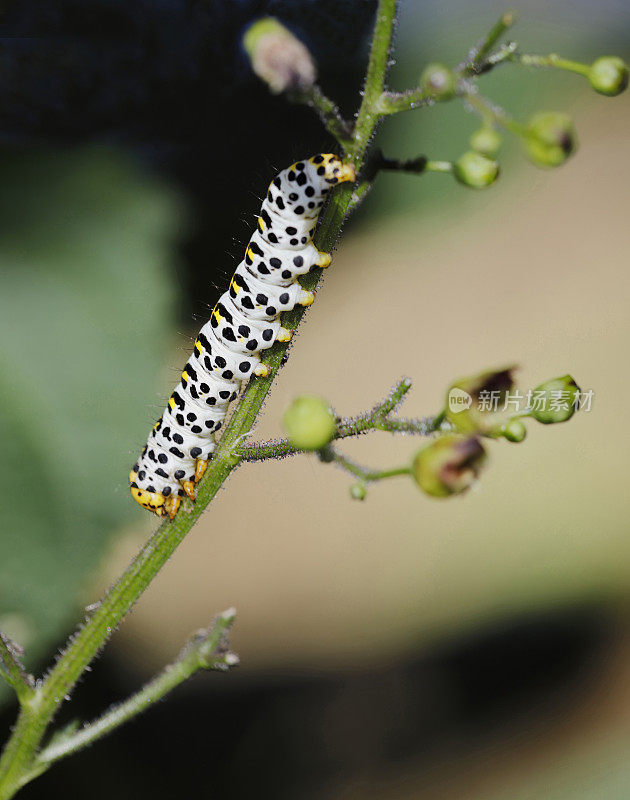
{"x":495,"y":400}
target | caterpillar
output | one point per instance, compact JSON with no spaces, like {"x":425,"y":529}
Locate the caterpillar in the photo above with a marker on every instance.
{"x":244,"y":322}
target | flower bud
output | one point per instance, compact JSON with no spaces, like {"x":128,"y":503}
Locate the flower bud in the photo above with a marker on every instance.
{"x":608,"y":75}
{"x":449,"y":465}
{"x":438,"y":81}
{"x":550,"y":138}
{"x":476,"y":171}
{"x":473,"y":404}
{"x":486,"y":141}
{"x":278,"y":57}
{"x":514,"y":430}
{"x":555,"y":400}
{"x":358,"y":491}
{"x":309,"y":423}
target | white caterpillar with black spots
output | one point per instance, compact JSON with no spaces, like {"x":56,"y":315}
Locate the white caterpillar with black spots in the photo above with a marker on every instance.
{"x":245,"y":321}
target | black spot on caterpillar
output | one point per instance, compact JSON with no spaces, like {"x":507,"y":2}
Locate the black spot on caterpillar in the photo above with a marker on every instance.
{"x":244,"y":321}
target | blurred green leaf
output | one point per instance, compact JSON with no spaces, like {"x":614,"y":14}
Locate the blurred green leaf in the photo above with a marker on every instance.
{"x":592,"y":772}
{"x":85,"y":312}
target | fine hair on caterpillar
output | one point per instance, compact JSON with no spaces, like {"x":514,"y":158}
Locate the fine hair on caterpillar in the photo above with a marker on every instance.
{"x":244,"y":321}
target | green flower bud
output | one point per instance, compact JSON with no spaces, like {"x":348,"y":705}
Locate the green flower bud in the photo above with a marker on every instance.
{"x":555,"y":400}
{"x":438,"y":81}
{"x":278,"y":57}
{"x":550,"y":138}
{"x":514,"y":430}
{"x":309,"y":423}
{"x":486,"y":141}
{"x":450,"y":465}
{"x":358,"y":491}
{"x":608,"y":75}
{"x":476,"y":171}
{"x":473,"y":404}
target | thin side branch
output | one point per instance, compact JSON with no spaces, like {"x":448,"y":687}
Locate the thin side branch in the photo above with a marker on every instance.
{"x":364,"y":474}
{"x":552,"y":60}
{"x":490,"y":112}
{"x":417,"y":166}
{"x":12,"y":670}
{"x":480,"y":59}
{"x":376,"y":419}
{"x":328,"y":112}
{"x":207,"y":650}
{"x":474,"y":61}
{"x":395,"y":102}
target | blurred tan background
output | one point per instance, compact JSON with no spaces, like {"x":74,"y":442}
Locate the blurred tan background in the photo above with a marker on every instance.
{"x":475,"y":648}
{"x":533,"y":271}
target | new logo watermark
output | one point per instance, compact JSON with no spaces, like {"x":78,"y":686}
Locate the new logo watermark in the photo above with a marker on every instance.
{"x":458,"y":400}
{"x":495,"y":400}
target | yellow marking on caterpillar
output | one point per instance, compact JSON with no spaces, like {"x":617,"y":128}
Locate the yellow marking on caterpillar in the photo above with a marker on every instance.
{"x":306,"y":299}
{"x":347,"y":172}
{"x":171,"y":403}
{"x":235,"y":286}
{"x":217,"y":314}
{"x":189,"y":488}
{"x":323,"y":259}
{"x":185,"y":376}
{"x":200,"y":468}
{"x":261,"y":223}
{"x":172,"y":504}
{"x":284,"y":335}
{"x":198,"y":346}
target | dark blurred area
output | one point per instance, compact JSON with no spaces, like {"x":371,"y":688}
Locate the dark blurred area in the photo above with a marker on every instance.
{"x":136,"y":144}
{"x":169,"y":81}
{"x":291,"y":735}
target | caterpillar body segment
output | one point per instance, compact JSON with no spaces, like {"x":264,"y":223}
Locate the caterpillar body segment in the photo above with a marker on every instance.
{"x":264,"y":301}
{"x":244,"y":322}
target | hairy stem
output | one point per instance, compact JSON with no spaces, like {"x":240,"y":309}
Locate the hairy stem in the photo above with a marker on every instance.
{"x":474,"y":62}
{"x":328,"y":112}
{"x":206,"y":651}
{"x":12,"y":670}
{"x":395,"y":102}
{"x":35,"y":717}
{"x":364,"y":474}
{"x":489,"y":112}
{"x":376,"y":419}
{"x":552,"y":60}
{"x":414,"y":165}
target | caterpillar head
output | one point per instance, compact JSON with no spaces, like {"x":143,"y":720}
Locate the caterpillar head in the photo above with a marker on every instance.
{"x":152,"y":501}
{"x":332,"y":169}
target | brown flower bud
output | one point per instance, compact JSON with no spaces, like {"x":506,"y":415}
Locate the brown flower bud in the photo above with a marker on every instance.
{"x":278,"y":57}
{"x":450,"y":465}
{"x":474,"y":404}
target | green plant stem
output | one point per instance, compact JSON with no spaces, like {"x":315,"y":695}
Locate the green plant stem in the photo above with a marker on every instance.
{"x":376,"y":419}
{"x":489,"y":112}
{"x":328,"y":112}
{"x":206,"y":651}
{"x":417,"y":165}
{"x":479,"y":60}
{"x":364,"y":474}
{"x":37,"y":713}
{"x":395,"y":102}
{"x":552,"y":60}
{"x":502,"y":55}
{"x":12,"y":670}
{"x":476,"y":57}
